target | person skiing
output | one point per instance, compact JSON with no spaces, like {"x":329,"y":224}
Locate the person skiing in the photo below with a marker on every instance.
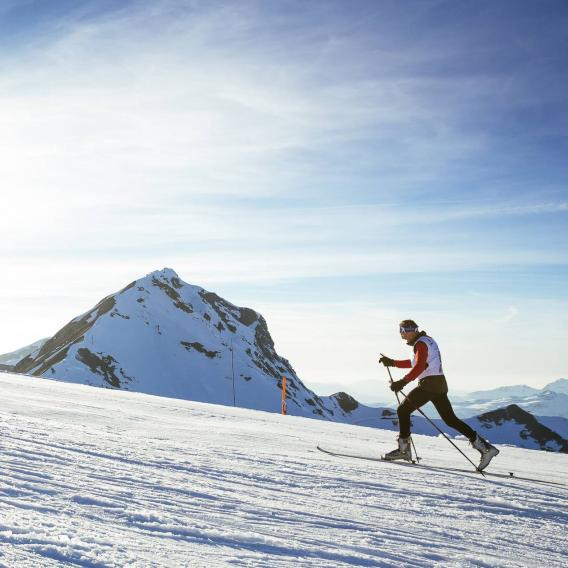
{"x":426,"y":367}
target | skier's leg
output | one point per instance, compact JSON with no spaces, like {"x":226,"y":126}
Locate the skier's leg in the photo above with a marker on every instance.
{"x":487,"y":451}
{"x":415,"y":399}
{"x":447,"y":414}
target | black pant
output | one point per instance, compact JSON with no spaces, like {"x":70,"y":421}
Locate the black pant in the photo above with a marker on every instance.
{"x":420,"y":396}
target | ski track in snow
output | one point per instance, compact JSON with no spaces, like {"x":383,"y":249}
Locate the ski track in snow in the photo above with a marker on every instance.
{"x":93,"y":477}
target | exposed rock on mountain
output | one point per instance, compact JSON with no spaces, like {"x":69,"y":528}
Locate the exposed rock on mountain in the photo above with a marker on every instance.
{"x":345,"y":401}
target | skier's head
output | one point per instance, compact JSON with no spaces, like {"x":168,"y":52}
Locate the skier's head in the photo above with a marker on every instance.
{"x":408,"y":329}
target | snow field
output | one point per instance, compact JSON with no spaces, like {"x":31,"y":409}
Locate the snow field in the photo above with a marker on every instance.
{"x":94,"y":477}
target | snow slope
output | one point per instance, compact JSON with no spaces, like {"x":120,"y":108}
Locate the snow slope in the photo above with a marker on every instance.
{"x":555,"y":423}
{"x":100,"y":477}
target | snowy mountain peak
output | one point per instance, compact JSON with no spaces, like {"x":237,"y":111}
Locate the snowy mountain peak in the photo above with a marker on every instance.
{"x":164,"y":274}
{"x":559,"y":386}
{"x":500,"y":392}
{"x":162,"y":336}
{"x":345,"y":401}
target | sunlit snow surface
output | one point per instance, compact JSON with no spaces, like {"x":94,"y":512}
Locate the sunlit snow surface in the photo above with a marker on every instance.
{"x":93,"y":477}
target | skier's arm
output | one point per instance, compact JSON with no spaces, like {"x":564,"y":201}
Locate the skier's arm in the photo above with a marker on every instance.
{"x":421,"y":350}
{"x":403,"y":364}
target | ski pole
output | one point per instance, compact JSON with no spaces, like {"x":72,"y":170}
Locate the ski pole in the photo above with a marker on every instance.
{"x":443,"y":434}
{"x":398,"y":400}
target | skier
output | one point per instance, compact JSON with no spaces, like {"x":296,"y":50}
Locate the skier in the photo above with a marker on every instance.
{"x":432,"y":387}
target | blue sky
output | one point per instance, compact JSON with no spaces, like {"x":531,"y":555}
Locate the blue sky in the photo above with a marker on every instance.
{"x":337,"y":166}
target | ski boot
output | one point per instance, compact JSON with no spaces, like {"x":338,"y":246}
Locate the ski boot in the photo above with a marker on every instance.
{"x":402,"y":452}
{"x":487,"y":451}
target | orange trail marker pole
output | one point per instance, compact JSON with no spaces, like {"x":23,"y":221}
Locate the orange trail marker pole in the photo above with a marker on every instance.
{"x":283,"y":395}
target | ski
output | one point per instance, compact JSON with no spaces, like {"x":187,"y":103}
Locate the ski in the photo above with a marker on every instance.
{"x":359,"y":457}
{"x":509,"y":475}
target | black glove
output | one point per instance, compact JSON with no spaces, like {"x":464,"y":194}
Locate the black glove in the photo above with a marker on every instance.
{"x":387,"y":361}
{"x":396,"y":386}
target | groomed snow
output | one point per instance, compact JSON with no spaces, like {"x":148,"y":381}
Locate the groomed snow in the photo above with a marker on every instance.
{"x":94,"y":477}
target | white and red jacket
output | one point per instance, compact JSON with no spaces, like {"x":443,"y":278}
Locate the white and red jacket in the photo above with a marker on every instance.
{"x":427,"y":360}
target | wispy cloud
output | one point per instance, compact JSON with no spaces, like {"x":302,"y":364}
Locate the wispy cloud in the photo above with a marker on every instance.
{"x":162,"y":103}
{"x":189,"y":102}
{"x":233,"y":242}
{"x":512,"y":312}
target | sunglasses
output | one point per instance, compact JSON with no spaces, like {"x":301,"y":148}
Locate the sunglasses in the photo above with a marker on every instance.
{"x":407,"y":329}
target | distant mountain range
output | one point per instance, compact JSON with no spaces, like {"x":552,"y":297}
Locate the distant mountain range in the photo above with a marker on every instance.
{"x":551,"y":400}
{"x":162,"y":336}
